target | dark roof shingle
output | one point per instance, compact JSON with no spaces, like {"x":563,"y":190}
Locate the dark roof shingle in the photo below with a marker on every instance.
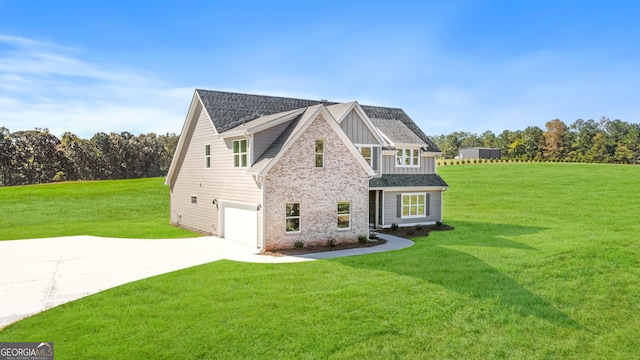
{"x":404,"y":180}
{"x":228,"y":110}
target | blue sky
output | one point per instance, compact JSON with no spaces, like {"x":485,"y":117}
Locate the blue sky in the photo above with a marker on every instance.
{"x":111,"y":66}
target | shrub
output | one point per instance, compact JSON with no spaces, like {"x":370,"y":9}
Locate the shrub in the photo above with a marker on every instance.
{"x":362,"y":239}
{"x":298,"y":244}
{"x":331,"y":242}
{"x":475,"y":161}
{"x":457,"y":162}
{"x":419,"y":227}
{"x":438,"y":223}
{"x":394,"y":226}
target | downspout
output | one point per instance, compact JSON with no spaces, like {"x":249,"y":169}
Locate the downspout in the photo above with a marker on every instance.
{"x":261,"y":179}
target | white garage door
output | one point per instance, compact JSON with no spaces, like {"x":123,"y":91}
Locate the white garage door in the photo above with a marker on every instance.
{"x":241,"y":225}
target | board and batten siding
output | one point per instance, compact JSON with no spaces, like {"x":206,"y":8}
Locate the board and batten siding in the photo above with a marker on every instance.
{"x":390,"y":199}
{"x":221,"y":181}
{"x":427,"y":166}
{"x":357,"y":130}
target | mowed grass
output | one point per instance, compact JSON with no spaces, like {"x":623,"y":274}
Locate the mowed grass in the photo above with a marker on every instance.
{"x":136,"y":208}
{"x":544,"y":264}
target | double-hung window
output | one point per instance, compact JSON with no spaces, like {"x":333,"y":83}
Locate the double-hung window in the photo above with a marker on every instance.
{"x":240,"y":153}
{"x":344,"y":215}
{"x":292,"y":217}
{"x":366,"y":154}
{"x":413,"y":205}
{"x":319,"y":153}
{"x":207,"y":156}
{"x":408,"y":157}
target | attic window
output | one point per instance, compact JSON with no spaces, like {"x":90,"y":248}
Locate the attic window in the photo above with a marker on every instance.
{"x":207,"y":156}
{"x":240,"y":153}
{"x":408,"y":158}
{"x":319,"y":153}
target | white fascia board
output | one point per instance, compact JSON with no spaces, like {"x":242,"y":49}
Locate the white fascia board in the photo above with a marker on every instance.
{"x":410,"y":146}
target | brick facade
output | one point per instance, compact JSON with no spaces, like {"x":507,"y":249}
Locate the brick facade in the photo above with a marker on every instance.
{"x":295,"y":179}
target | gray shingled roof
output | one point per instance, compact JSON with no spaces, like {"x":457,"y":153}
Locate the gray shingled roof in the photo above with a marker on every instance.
{"x":397,"y":131}
{"x":275,"y":147}
{"x":403,"y":180}
{"x":228,"y":110}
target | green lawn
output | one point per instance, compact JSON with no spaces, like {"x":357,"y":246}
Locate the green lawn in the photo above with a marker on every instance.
{"x":544,"y":263}
{"x":136,"y":208}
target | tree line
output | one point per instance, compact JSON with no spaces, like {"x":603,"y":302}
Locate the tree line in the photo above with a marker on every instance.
{"x":37,"y":156}
{"x":603,"y":141}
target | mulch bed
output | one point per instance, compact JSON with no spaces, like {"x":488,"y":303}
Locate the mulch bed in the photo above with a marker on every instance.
{"x":404,"y":232}
{"x":310,"y":249}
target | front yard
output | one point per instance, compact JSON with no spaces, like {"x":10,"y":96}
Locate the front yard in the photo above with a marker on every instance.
{"x":544,"y":263}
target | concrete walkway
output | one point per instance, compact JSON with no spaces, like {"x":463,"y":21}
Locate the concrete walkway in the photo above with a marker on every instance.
{"x":38,"y":274}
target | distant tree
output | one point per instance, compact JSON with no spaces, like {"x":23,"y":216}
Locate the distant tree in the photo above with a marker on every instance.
{"x":7,"y":154}
{"x":488,"y":139}
{"x":601,"y":149}
{"x":452,"y":145}
{"x":583,"y":138}
{"x":555,"y":140}
{"x":37,"y":156}
{"x":532,"y":142}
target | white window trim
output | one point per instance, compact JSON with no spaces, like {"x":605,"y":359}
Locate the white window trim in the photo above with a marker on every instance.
{"x":360,"y":147}
{"x":316,"y":153}
{"x":240,"y":153}
{"x":299,"y":217}
{"x":207,"y":158}
{"x":424,"y":206}
{"x":404,"y":157}
{"x":348,"y":214}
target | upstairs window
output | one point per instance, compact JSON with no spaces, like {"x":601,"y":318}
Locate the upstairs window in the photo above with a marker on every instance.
{"x":293,"y":217}
{"x":366,"y":154}
{"x":408,"y":157}
{"x":319,"y":153}
{"x":240,"y":153}
{"x":207,"y":156}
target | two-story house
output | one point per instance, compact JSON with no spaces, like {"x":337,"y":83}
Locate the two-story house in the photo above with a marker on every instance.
{"x":269,"y":171}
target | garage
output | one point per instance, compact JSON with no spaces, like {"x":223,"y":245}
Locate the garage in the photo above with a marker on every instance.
{"x":241,"y":224}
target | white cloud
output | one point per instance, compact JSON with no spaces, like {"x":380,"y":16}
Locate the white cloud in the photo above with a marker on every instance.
{"x":49,"y":86}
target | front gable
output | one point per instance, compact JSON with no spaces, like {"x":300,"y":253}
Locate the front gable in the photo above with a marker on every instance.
{"x":197,"y":124}
{"x":295,"y":178}
{"x":299,"y":127}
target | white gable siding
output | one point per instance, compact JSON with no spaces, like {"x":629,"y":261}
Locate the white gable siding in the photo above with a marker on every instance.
{"x":221,"y":182}
{"x":193,"y":179}
{"x":357,"y":130}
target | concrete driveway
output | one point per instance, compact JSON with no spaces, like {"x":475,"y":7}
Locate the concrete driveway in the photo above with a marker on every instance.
{"x":39,"y":274}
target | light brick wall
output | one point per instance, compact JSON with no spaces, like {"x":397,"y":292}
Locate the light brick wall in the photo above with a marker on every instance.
{"x":295,"y":179}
